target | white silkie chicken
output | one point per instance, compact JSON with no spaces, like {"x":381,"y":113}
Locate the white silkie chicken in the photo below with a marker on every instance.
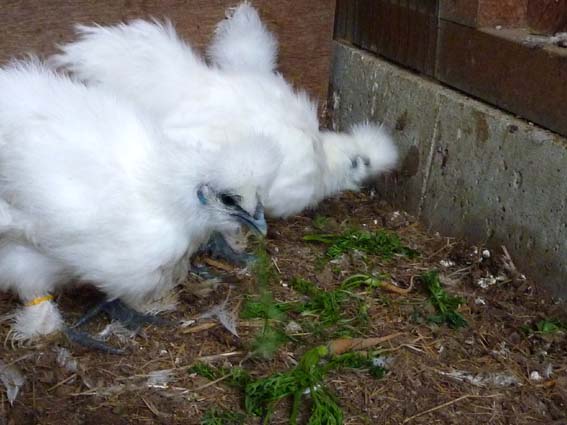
{"x":239,"y":93}
{"x":91,"y":189}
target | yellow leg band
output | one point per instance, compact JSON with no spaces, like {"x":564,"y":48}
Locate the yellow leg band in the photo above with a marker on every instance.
{"x":39,"y":300}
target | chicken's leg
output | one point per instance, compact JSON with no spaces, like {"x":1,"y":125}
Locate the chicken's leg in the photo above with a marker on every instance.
{"x":118,"y":311}
{"x":217,"y":247}
{"x":87,"y":341}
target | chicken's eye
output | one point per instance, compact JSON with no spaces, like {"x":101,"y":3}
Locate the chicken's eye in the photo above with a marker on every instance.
{"x":229,"y":200}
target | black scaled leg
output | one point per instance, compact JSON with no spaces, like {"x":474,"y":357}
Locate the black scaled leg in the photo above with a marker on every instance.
{"x":87,"y":341}
{"x":217,"y":247}
{"x":205,"y":273}
{"x":116,"y":310}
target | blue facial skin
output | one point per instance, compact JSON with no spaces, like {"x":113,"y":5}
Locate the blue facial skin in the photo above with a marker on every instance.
{"x":201,"y":197}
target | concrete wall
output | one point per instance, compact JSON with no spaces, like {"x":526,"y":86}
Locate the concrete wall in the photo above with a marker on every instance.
{"x":468,"y":170}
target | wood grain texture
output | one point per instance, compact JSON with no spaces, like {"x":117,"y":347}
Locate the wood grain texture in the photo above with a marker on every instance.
{"x":484,"y":13}
{"x":507,"y":13}
{"x":463,"y":12}
{"x":547,"y":16}
{"x":404,"y":31}
{"x":497,"y":67}
{"x":303,"y":27}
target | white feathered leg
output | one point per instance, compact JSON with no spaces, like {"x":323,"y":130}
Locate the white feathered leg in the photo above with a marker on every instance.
{"x":33,"y":277}
{"x":32,"y":321}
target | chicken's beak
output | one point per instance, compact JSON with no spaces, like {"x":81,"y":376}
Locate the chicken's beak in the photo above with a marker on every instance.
{"x":256,"y":223}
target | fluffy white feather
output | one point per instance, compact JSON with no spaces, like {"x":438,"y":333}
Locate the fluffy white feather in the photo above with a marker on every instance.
{"x":149,"y":64}
{"x":37,"y":320}
{"x":243,"y":43}
{"x":91,"y":189}
{"x":354,"y":157}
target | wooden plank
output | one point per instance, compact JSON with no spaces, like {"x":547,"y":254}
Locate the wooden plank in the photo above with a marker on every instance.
{"x":403,"y":31}
{"x":547,"y":16}
{"x":499,"y":68}
{"x":341,"y":16}
{"x":405,"y":21}
{"x":484,"y":13}
{"x":413,"y":48}
{"x":304,"y":28}
{"x":464,"y":12}
{"x":506,"y":13}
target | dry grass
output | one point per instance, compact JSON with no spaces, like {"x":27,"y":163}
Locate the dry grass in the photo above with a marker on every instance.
{"x":436,"y":375}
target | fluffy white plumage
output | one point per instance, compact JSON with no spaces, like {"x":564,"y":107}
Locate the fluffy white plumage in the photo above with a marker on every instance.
{"x":91,"y":189}
{"x":238,"y":93}
{"x":242,"y":42}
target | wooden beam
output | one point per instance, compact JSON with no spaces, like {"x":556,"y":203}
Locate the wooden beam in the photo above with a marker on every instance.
{"x":484,"y":13}
{"x":402,"y":31}
{"x":547,"y":16}
{"x":497,"y":67}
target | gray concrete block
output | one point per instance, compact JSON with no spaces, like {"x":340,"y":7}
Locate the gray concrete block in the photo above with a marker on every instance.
{"x":468,"y":169}
{"x":366,"y":89}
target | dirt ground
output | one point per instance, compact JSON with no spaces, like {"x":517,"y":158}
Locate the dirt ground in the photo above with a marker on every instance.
{"x":497,"y":370}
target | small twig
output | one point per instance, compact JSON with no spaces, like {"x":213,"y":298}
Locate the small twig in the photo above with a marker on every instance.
{"x":276,"y":265}
{"x":441,"y":406}
{"x":64,"y":381}
{"x":236,"y":308}
{"x":218,"y":264}
{"x":410,"y":345}
{"x":547,"y":384}
{"x":257,"y":323}
{"x":90,"y":392}
{"x":443,"y":248}
{"x":19,"y":359}
{"x":210,"y":384}
{"x":460,"y":271}
{"x":396,"y":289}
{"x":510,"y":267}
{"x":153,"y":409}
{"x":199,"y":328}
{"x":207,"y":359}
{"x":343,"y":345}
{"x":399,"y":347}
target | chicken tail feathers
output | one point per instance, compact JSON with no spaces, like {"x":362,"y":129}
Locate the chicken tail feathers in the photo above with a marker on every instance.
{"x":112,"y":54}
{"x":358,"y":156}
{"x":243,"y":43}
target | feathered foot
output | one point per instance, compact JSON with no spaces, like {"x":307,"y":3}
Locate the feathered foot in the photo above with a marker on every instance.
{"x":118,"y":311}
{"x":87,"y":341}
{"x":36,"y":320}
